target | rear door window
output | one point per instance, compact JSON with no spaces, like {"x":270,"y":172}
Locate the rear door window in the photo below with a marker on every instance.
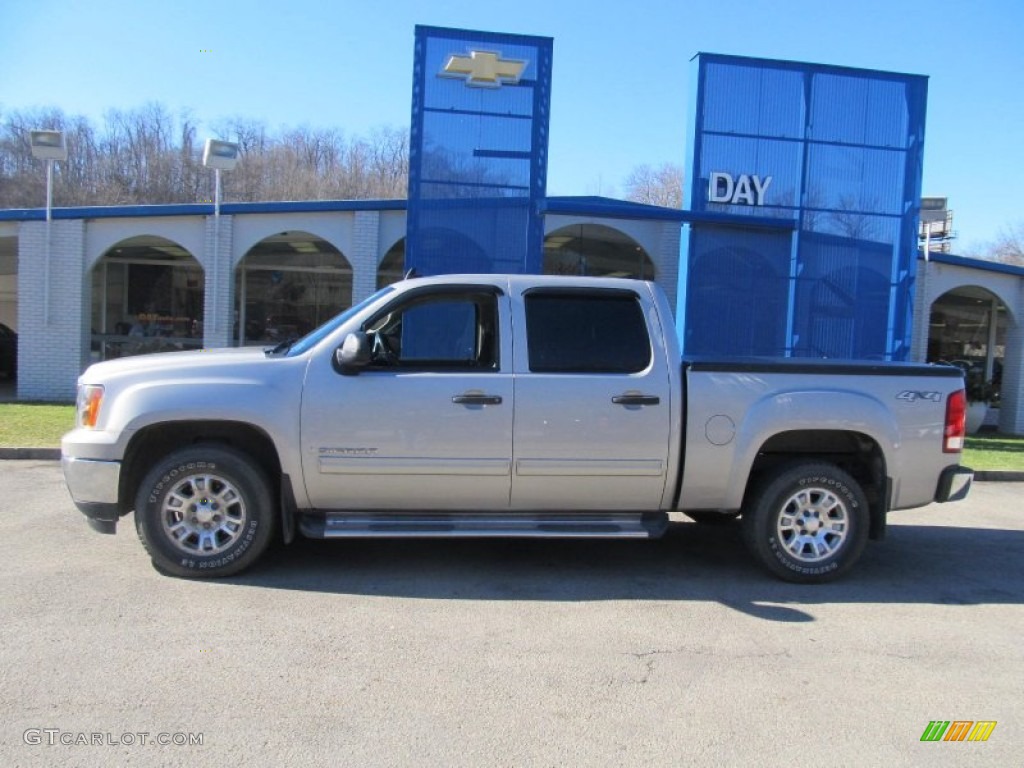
{"x":586,"y":332}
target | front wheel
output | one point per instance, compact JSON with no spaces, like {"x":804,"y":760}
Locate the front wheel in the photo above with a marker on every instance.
{"x":809,"y":524}
{"x":204,"y":511}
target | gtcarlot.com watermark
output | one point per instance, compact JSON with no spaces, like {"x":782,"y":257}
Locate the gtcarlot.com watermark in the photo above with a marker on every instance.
{"x":51,"y":737}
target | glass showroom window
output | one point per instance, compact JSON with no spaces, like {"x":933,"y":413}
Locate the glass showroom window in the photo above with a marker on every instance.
{"x":392,"y":266}
{"x":146,"y":299}
{"x":284,"y":290}
{"x":968,"y":328}
{"x":596,"y":251}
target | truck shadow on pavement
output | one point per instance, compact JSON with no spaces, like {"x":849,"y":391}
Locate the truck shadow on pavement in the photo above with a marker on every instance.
{"x":915,"y":564}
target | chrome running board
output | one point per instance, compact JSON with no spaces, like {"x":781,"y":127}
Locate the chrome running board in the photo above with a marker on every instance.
{"x":562,"y":525}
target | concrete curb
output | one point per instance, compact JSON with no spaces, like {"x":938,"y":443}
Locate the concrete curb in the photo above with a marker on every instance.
{"x":53,"y":454}
{"x":39,"y":454}
{"x":998,"y":475}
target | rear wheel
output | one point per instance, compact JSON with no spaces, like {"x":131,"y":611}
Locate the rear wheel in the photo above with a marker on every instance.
{"x":204,"y":511}
{"x":809,"y":524}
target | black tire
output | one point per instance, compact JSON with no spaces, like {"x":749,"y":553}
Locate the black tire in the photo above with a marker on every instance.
{"x":808,"y":524}
{"x":713,"y":518}
{"x":204,"y":511}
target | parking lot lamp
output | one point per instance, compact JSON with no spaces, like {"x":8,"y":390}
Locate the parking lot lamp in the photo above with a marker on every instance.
{"x":48,"y":145}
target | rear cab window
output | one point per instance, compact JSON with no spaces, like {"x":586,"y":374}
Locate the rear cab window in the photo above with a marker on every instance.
{"x":586,"y":331}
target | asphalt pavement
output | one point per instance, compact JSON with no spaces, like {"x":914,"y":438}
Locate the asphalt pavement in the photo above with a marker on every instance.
{"x":481,"y":653}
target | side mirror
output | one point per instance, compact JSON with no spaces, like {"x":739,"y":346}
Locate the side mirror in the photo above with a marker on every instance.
{"x":353,"y":354}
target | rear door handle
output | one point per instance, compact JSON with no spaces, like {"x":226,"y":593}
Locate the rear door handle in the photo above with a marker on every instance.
{"x":636,"y":400}
{"x":477,"y":399}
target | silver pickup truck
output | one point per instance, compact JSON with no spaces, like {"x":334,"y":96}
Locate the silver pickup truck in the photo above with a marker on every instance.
{"x":507,"y":406}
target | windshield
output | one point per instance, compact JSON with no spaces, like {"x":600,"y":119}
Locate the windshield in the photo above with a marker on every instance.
{"x":317,"y":335}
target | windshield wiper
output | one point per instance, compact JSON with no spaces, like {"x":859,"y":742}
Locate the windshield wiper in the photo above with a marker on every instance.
{"x":281,"y":348}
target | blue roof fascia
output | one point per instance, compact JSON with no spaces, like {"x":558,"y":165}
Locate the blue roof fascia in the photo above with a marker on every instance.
{"x":574,"y":206}
{"x":310,"y":206}
{"x":609,"y":207}
{"x":200,"y":209}
{"x":624,"y":209}
{"x":107,"y":211}
{"x":966,"y":261}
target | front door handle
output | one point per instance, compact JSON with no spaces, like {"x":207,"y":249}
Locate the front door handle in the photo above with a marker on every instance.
{"x":477,"y":399}
{"x":636,"y":400}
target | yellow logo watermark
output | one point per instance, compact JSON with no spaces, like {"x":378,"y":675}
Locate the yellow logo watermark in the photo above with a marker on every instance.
{"x":958,"y":730}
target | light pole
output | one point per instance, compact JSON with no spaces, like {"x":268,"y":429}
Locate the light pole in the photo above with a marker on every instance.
{"x":221,"y":156}
{"x":48,"y":145}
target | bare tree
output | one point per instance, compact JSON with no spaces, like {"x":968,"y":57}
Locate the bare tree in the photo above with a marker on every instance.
{"x":193,"y":182}
{"x":22,"y":183}
{"x":148,"y":155}
{"x":247,"y":182}
{"x":389,"y":163}
{"x":849,"y":220}
{"x":656,"y":186}
{"x":1009,"y":246}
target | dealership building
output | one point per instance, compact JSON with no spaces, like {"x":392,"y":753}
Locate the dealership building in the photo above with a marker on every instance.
{"x":798,"y":236}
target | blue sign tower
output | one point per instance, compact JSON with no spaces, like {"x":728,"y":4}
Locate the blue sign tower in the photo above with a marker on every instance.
{"x":478,"y":152}
{"x":836,"y":154}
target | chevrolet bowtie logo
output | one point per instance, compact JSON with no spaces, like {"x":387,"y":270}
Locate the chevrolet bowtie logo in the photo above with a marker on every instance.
{"x":484,"y":69}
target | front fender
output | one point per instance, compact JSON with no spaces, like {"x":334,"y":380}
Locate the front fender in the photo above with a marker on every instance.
{"x":271,"y":409}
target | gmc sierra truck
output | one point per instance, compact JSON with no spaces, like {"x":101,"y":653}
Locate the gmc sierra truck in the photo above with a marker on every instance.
{"x":512,"y":406}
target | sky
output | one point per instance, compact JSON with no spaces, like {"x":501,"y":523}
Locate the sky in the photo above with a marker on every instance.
{"x":621,"y":77}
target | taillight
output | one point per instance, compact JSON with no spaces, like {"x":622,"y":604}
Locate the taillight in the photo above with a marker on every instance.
{"x":956,"y":422}
{"x":89,"y":398}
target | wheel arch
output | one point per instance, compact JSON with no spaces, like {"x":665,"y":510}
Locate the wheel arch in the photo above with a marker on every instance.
{"x":150,"y":444}
{"x":856,"y":453}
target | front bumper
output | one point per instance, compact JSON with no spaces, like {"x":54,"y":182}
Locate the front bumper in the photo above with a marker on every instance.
{"x":94,"y":489}
{"x":954,"y":484}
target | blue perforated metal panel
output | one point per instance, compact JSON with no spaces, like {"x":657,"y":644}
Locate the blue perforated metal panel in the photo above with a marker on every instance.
{"x":738,"y":292}
{"x":478,"y":151}
{"x":843,"y":150}
{"x":842,"y":298}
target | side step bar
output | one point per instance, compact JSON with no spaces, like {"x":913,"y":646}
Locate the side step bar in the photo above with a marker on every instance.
{"x":561,"y":525}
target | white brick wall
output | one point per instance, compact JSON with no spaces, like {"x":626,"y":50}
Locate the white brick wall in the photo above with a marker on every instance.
{"x":53,"y":321}
{"x":218,"y":305}
{"x":923,"y":298}
{"x":1011,"y":407}
{"x":666,"y":261}
{"x":363,"y":258}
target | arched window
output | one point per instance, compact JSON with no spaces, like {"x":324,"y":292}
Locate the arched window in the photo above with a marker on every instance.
{"x":967,"y":327}
{"x":597,"y":251}
{"x":392,"y":266}
{"x":287,"y":285}
{"x":147,"y":296}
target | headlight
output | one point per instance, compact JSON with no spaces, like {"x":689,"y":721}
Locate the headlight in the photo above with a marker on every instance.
{"x":89,"y":398}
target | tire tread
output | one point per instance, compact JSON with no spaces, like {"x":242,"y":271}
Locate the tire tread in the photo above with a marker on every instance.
{"x":242,"y":470}
{"x":758,"y":521}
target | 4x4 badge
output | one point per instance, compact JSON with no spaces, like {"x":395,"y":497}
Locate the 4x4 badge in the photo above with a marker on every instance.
{"x":911,"y":396}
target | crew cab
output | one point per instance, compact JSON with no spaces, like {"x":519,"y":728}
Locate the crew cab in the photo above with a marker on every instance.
{"x":515,"y":406}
